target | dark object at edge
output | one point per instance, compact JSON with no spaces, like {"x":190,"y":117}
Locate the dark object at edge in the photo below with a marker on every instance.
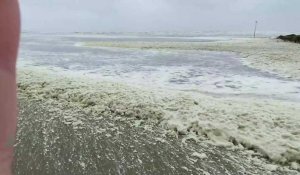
{"x":292,"y":38}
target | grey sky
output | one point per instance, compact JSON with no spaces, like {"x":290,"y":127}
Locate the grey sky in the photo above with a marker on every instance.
{"x":159,"y":15}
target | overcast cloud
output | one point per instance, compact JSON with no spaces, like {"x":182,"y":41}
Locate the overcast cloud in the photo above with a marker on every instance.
{"x":159,"y":15}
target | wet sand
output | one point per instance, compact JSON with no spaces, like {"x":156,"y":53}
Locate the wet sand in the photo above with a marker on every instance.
{"x":46,"y":145}
{"x":63,"y":122}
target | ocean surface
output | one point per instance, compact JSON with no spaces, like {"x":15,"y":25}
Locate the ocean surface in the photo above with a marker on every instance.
{"x":215,"y":73}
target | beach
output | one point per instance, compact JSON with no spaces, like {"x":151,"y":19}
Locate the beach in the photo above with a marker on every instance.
{"x":48,"y":144}
{"x":135,"y":116}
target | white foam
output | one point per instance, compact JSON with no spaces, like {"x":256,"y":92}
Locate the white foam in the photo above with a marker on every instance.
{"x":254,"y":123}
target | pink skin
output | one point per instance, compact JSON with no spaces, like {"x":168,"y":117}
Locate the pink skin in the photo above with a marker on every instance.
{"x":9,"y":42}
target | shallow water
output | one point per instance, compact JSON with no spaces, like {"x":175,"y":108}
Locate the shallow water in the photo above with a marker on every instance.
{"x":216,"y":73}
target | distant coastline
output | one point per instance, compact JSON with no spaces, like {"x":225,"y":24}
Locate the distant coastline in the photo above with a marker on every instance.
{"x":291,"y":38}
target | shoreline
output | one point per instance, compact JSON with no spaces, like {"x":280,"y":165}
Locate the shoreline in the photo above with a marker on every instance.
{"x":225,"y":122}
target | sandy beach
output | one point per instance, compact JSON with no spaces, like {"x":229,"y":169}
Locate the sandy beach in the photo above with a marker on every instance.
{"x":58,"y":144}
{"x":82,"y":125}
